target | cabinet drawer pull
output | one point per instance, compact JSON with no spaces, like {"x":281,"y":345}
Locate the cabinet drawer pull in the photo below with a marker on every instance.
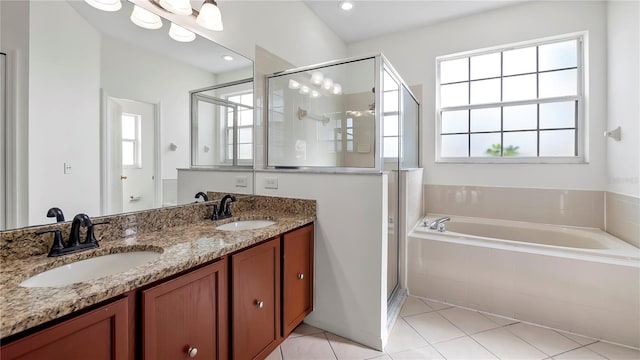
{"x":259,"y":304}
{"x":192,"y":352}
{"x":300,"y":276}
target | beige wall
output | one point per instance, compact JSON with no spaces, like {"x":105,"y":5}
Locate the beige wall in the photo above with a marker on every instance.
{"x":623,"y":217}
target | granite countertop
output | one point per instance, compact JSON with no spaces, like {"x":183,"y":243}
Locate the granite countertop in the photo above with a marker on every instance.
{"x":182,"y":247}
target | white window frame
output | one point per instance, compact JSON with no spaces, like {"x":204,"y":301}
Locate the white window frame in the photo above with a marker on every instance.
{"x":235,"y":129}
{"x":136,"y":141}
{"x":580,"y":98}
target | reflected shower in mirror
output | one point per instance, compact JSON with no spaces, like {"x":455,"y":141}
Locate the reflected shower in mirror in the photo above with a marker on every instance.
{"x":100,"y":115}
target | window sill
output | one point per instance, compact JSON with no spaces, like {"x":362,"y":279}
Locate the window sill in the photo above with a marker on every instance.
{"x":514,"y":160}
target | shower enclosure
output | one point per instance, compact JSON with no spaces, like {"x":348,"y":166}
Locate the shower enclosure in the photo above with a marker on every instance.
{"x":347,"y":116}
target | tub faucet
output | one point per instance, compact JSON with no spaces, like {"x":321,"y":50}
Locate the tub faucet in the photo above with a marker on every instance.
{"x":438,"y":224}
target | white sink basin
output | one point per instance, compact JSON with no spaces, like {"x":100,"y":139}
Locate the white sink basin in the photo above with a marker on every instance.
{"x":245,"y":225}
{"x":89,"y":269}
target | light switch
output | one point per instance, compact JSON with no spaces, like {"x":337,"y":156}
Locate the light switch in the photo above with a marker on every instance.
{"x":271,"y":183}
{"x":241,"y":181}
{"x":67,"y":168}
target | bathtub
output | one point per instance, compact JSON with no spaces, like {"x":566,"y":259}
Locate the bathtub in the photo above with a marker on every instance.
{"x":580,"y":280}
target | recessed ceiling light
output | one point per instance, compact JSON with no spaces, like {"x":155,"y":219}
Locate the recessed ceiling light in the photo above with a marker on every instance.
{"x":345,"y":5}
{"x":227,"y":57}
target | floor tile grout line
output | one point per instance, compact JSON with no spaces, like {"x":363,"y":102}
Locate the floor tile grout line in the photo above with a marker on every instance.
{"x":484,"y":347}
{"x":537,"y":348}
{"x":324,"y":333}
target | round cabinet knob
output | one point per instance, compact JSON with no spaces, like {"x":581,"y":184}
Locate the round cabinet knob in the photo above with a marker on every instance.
{"x":259,"y":304}
{"x":300,"y":276}
{"x":192,"y":352}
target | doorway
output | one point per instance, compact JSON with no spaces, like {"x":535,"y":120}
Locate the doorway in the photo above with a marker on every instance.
{"x":130,"y":160}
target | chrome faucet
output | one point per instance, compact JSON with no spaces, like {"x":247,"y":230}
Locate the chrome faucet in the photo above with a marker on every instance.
{"x":438,"y":224}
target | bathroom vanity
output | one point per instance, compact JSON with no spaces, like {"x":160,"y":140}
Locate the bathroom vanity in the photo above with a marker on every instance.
{"x":211,"y":294}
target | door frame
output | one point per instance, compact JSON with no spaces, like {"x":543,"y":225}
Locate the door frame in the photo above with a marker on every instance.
{"x":104,"y":151}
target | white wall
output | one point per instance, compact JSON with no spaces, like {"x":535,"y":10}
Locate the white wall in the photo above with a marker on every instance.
{"x":350,"y":250}
{"x":63,"y":112}
{"x":288,"y":29}
{"x":413,"y":54}
{"x":623,"y":105}
{"x":192,"y":181}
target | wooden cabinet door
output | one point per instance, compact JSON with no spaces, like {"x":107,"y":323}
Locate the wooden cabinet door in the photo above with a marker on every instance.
{"x":256,"y":300}
{"x":187,"y":316}
{"x":297,"y":277}
{"x":99,"y":334}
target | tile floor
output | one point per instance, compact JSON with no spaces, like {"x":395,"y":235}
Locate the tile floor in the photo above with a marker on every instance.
{"x":430,"y":330}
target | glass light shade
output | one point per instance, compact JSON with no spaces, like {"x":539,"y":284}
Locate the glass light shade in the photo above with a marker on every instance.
{"x":317,"y":77}
{"x":293,"y":84}
{"x":327,"y":83}
{"x":210,"y":17}
{"x":337,"y":89}
{"x":145,"y":18}
{"x":178,"y":33}
{"x":179,"y":7}
{"x":105,"y":5}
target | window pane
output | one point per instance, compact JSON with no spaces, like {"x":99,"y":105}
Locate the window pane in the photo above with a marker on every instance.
{"x":128,"y":153}
{"x":245,"y":135}
{"x":390,"y":147}
{"x":485,"y":66}
{"x":229,"y":152}
{"x":247,"y":99}
{"x":229,"y":117}
{"x":519,"y":61}
{"x":558,"y":56}
{"x":454,"y":146}
{"x":519,"y":88}
{"x":483,"y":144}
{"x":454,"y":94}
{"x":523,"y":143}
{"x":246,"y":117}
{"x":390,"y":125}
{"x":391,"y":101}
{"x":557,"y":143}
{"x":485,"y":119}
{"x":519,"y":117}
{"x":485,"y":91}
{"x":454,"y":70}
{"x":558,"y":115}
{"x":455,"y":121}
{"x":128,"y":127}
{"x":230,"y":136}
{"x":388,"y":82}
{"x":349,"y":146}
{"x":244,"y":151}
{"x":558,"y":83}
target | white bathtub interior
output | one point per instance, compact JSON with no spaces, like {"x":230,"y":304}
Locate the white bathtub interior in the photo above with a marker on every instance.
{"x":574,"y":279}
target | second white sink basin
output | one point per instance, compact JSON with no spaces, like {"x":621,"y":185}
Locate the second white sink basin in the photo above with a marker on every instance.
{"x":89,"y":269}
{"x":245,"y":225}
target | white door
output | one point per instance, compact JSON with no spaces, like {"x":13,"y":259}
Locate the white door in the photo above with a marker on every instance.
{"x":138,"y":155}
{"x":113,"y":157}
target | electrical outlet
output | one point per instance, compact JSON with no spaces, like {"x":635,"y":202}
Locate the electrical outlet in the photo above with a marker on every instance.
{"x":67,"y":168}
{"x":271,"y":183}
{"x":241,"y":181}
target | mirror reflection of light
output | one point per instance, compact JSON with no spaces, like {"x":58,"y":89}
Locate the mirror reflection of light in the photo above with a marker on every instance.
{"x":345,"y":5}
{"x":227,"y":58}
{"x":293,"y":84}
{"x":178,"y":7}
{"x":178,"y":33}
{"x":337,"y":89}
{"x":327,"y":83}
{"x":314,"y":94}
{"x":145,"y":18}
{"x":304,"y":89}
{"x":316,"y":78}
{"x":105,"y":5}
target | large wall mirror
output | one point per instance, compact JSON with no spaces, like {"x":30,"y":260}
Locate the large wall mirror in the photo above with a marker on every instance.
{"x":98,"y":109}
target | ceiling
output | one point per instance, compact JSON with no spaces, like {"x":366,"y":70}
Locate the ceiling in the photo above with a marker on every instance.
{"x":372,"y":18}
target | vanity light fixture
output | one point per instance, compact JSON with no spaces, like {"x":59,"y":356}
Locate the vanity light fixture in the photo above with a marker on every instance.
{"x":304,"y":89}
{"x":178,"y":33}
{"x":293,"y":84}
{"x":345,"y":5}
{"x":145,"y":18}
{"x":105,"y":5}
{"x":314,"y":94}
{"x":227,"y":57}
{"x":178,"y":7}
{"x":317,"y":77}
{"x":209,"y":16}
{"x":337,"y":89}
{"x":327,"y":83}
